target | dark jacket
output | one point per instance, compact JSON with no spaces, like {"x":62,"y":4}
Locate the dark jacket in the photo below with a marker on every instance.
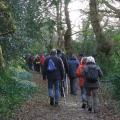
{"x":58,"y":73}
{"x":73,"y":64}
{"x":100,"y":74}
{"x":64,"y":59}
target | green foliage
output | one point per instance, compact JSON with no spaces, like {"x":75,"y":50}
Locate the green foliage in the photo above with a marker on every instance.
{"x":55,"y":2}
{"x":22,"y":74}
{"x":115,"y":79}
{"x":14,"y":91}
{"x":86,"y":47}
{"x":106,"y":63}
{"x":110,"y":65}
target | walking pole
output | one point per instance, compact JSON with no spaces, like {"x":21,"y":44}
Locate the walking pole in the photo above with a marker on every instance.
{"x":63,"y":89}
{"x":66,"y":84}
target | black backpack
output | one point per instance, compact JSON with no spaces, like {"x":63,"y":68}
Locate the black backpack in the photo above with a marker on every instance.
{"x":92,"y":74}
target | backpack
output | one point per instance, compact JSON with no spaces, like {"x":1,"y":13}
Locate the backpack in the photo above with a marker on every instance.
{"x":51,"y":66}
{"x":92,"y":74}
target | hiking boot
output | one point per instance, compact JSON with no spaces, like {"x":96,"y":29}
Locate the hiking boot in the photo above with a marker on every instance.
{"x":96,"y":111}
{"x":51,"y":101}
{"x":62,"y":95}
{"x":83,"y":105}
{"x":56,"y":104}
{"x":74,"y":94}
{"x":90,"y":109}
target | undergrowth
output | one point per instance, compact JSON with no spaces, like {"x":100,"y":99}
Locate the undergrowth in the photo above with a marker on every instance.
{"x":15,"y":88}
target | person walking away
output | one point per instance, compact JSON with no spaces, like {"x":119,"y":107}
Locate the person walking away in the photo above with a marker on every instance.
{"x":32,"y":60}
{"x":79,"y":73}
{"x":63,"y":83}
{"x":37,"y":64}
{"x":73,"y":64}
{"x":54,"y":72}
{"x":29,"y":60}
{"x":92,"y":73}
{"x":42,"y":60}
{"x":81,"y":55}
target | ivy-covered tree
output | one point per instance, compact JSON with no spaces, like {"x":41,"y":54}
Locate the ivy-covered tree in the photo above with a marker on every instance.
{"x":7,"y":27}
{"x":6,"y":21}
{"x":103,"y":44}
{"x":68,"y":32}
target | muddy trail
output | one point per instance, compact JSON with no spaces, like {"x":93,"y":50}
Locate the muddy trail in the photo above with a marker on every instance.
{"x":38,"y":107}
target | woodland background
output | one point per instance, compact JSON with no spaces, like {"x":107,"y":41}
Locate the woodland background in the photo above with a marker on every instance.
{"x":36,"y":26}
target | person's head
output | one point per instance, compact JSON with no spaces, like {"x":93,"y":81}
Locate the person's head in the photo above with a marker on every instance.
{"x":80,"y":56}
{"x":72,"y":56}
{"x":53,"y":52}
{"x":36,"y":56}
{"x":90,"y":59}
{"x":83,"y":60}
{"x":59,"y":51}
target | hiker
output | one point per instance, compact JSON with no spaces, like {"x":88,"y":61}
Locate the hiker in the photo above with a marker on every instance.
{"x":91,"y":73}
{"x":37,"y":63}
{"x":42,"y":60}
{"x":65,"y":82}
{"x":73,"y":63}
{"x":80,"y":74}
{"x":29,"y":60}
{"x":81,"y":55}
{"x":54,"y":72}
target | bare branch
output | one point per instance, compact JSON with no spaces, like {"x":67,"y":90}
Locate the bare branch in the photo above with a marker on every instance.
{"x":116,"y":11}
{"x":6,"y":33}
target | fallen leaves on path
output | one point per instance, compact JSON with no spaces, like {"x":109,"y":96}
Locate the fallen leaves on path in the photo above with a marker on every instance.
{"x":38,"y":108}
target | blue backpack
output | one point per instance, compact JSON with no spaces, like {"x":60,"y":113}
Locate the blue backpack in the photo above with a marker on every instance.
{"x":51,"y":66}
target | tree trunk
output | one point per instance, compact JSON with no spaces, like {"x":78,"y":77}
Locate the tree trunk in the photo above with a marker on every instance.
{"x":59,"y":25}
{"x":103,"y":45}
{"x":68,"y":32}
{"x":1,"y":60}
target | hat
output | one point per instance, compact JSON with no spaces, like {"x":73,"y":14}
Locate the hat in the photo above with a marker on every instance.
{"x":90,"y":59}
{"x":59,"y":51}
{"x":53,"y":51}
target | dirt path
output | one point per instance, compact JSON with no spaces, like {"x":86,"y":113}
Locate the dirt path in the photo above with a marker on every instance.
{"x":38,"y":107}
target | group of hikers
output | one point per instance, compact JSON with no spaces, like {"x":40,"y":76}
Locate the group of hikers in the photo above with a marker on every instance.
{"x":57,"y":67}
{"x":35,"y":62}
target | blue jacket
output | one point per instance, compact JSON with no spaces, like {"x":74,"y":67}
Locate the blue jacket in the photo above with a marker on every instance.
{"x":73,"y":64}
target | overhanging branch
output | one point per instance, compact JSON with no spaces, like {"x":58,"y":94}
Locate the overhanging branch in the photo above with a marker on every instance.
{"x":6,"y":33}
